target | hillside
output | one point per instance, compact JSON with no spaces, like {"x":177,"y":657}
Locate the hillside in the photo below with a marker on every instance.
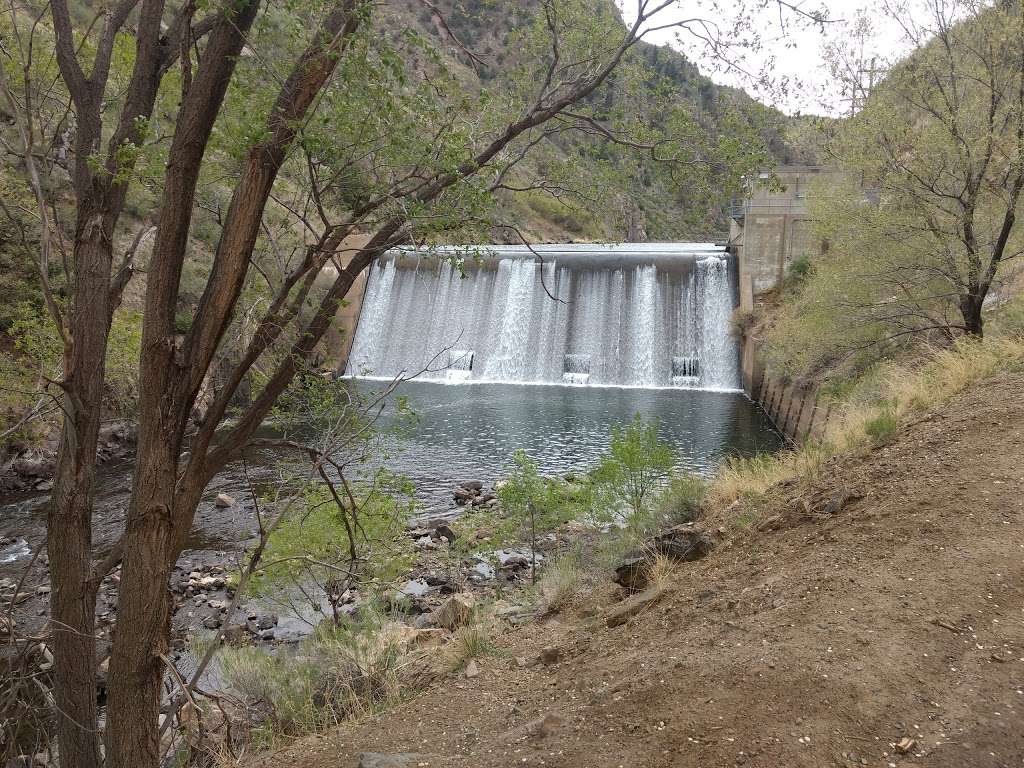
{"x":890,"y":632}
{"x":660,"y":206}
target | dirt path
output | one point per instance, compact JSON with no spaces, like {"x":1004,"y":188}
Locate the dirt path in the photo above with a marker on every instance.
{"x":823,"y":642}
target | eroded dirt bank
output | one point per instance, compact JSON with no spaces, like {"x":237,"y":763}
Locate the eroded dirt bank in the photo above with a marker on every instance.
{"x":805,"y":639}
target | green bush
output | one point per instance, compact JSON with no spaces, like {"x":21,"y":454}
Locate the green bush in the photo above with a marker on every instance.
{"x":326,"y":548}
{"x":798,"y":270}
{"x":636,"y":464}
{"x":682,"y":500}
{"x":883,"y":426}
{"x":534,"y":505}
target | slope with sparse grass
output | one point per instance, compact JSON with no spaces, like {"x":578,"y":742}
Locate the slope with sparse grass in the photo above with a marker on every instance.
{"x":862,"y":608}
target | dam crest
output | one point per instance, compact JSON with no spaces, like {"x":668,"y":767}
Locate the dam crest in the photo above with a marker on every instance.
{"x":631,"y":315}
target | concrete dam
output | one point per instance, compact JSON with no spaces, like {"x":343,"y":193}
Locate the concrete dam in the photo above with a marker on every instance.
{"x":635,"y":315}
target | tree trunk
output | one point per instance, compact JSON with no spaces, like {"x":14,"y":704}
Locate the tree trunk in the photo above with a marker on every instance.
{"x":69,"y":523}
{"x":970,"y":308}
{"x":144,"y":604}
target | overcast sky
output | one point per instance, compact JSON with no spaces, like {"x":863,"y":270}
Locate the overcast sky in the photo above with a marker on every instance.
{"x":793,"y":56}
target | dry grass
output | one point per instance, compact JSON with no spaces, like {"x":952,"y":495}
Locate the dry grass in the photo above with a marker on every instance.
{"x":739,"y":477}
{"x":339,"y":674}
{"x":660,"y":571}
{"x":871,"y":413}
{"x":559,"y":584}
{"x":473,"y":640}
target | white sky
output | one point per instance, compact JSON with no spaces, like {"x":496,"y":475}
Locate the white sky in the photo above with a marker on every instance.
{"x":789,"y":70}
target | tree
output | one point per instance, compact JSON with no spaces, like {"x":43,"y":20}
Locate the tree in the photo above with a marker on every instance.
{"x":330,"y":122}
{"x":636,"y":464}
{"x":943,"y":141}
{"x":922,"y":226}
{"x":528,"y":501}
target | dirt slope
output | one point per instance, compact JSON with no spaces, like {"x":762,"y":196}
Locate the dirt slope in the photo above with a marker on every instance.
{"x":806,"y":640}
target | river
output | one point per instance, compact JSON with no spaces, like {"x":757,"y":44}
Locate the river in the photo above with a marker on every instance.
{"x":464,"y":432}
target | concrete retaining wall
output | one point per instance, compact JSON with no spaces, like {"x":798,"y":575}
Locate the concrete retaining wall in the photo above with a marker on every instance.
{"x":338,"y":339}
{"x":798,"y":412}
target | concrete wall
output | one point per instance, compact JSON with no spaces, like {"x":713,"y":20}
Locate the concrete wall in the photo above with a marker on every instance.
{"x":338,"y":339}
{"x":798,"y":412}
{"x":771,"y":228}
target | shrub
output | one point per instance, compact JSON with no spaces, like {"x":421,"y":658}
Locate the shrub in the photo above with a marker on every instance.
{"x":660,"y":571}
{"x":535,"y":504}
{"x":326,"y":547}
{"x":741,"y":321}
{"x":469,"y":642}
{"x":682,"y":500}
{"x":882,"y":427}
{"x":740,"y":477}
{"x":637,"y":463}
{"x":559,"y":584}
{"x":798,"y":270}
{"x":337,"y":673}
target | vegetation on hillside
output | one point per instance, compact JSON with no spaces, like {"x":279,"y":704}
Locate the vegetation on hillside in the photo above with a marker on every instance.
{"x":923,"y":233}
{"x":888,"y":398}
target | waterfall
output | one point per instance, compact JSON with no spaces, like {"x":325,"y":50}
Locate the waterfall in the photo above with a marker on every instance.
{"x":373,"y":319}
{"x":644,"y":315}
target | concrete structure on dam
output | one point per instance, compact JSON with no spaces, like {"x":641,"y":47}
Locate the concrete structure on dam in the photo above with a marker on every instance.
{"x":769,"y":229}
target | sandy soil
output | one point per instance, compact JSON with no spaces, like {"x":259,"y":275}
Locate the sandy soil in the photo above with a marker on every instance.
{"x":805,"y":639}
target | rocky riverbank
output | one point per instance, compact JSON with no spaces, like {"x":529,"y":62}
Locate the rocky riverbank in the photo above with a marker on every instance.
{"x":202,"y":583}
{"x":30,"y":468}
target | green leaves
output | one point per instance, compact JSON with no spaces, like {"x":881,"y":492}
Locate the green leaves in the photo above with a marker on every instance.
{"x":636,"y":464}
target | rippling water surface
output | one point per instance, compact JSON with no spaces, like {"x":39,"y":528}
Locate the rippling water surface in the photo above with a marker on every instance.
{"x":465,"y":432}
{"x":469,"y":431}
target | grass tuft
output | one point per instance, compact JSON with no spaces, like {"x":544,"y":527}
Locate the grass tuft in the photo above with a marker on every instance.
{"x":469,"y":642}
{"x":559,"y":584}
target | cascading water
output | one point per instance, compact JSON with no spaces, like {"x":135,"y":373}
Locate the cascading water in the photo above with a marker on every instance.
{"x":651,"y":315}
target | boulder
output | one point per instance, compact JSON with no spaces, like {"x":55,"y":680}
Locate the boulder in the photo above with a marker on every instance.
{"x":224,"y":501}
{"x":415,"y":588}
{"x":428,"y":638}
{"x":482,"y":572}
{"x":838,"y":501}
{"x":444,"y":531}
{"x":682,"y":543}
{"x":632,"y":573}
{"x":463,"y":495}
{"x":455,"y":611}
{"x":211,"y":583}
{"x":436,"y":579}
{"x":634,"y":605}
{"x":550,"y":655}
{"x":472,"y":670}
{"x":472,"y":485}
{"x":33,"y":464}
